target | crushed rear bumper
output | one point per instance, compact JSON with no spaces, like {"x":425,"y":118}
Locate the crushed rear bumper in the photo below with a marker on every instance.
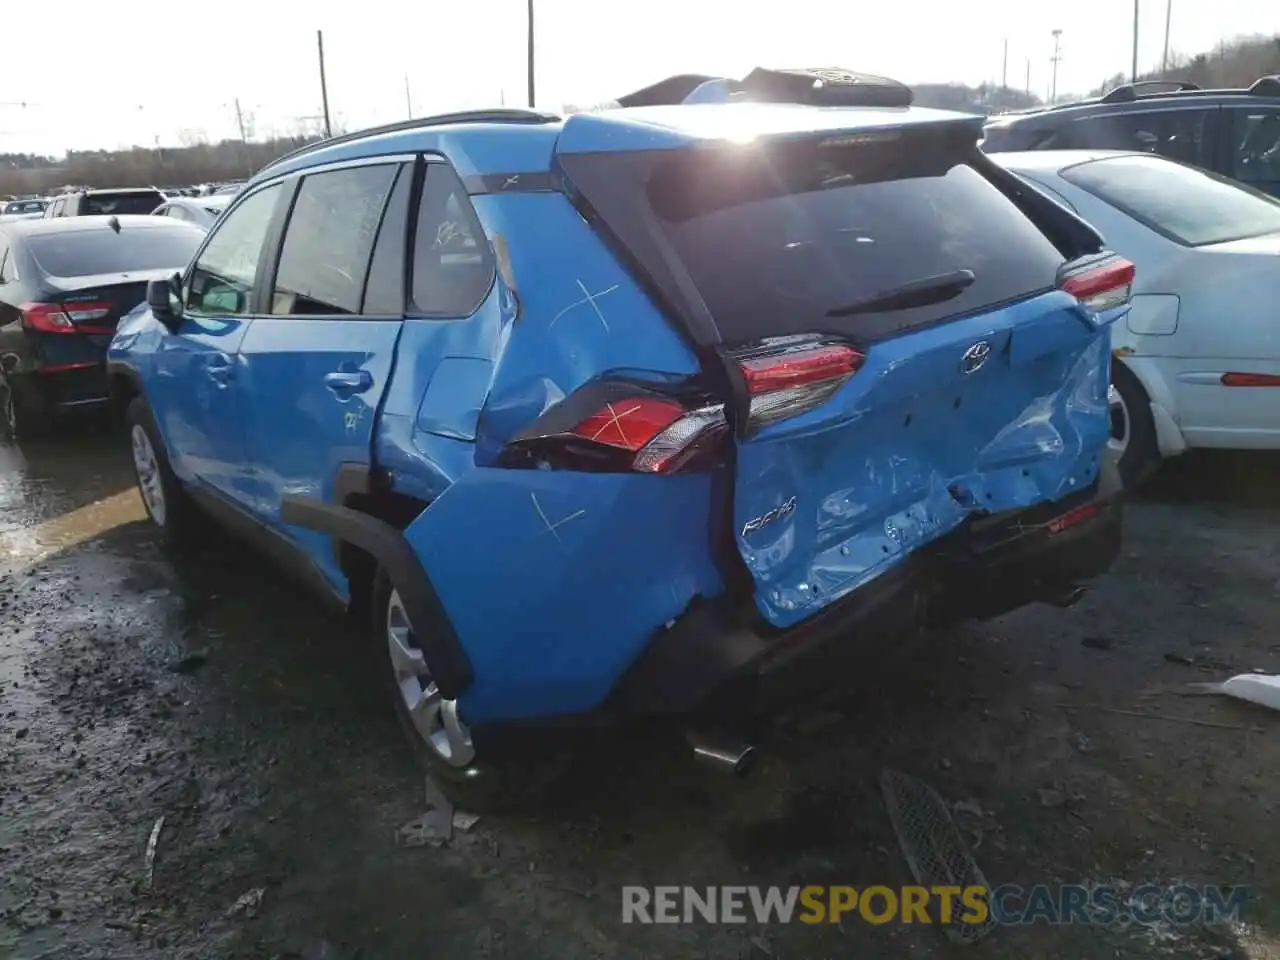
{"x":709,"y":662}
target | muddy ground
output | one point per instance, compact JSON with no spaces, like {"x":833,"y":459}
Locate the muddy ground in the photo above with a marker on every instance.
{"x":210,"y":693}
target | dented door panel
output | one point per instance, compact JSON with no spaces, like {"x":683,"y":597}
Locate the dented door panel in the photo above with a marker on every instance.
{"x":555,"y":581}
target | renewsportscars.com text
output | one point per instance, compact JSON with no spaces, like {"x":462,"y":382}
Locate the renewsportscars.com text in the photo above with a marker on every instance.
{"x":1097,"y":904}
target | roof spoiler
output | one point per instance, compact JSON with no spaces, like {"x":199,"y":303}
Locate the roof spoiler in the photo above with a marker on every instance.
{"x":1130,"y":91}
{"x":1266,"y":87}
{"x":823,"y":87}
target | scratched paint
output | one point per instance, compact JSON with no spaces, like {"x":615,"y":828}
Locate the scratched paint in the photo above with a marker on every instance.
{"x":589,"y":299}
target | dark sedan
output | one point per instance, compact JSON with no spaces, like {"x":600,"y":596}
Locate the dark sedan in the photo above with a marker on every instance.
{"x":64,"y":284}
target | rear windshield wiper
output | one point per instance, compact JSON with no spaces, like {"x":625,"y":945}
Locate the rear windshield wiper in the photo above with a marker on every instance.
{"x":916,"y":293}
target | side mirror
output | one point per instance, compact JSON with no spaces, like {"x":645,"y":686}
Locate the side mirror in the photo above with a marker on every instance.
{"x":165,"y":304}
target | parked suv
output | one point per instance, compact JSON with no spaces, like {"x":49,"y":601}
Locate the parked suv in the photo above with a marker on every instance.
{"x":620,"y":414}
{"x":1232,"y":132}
{"x":89,"y":203}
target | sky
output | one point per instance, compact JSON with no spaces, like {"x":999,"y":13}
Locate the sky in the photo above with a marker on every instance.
{"x":169,"y":73}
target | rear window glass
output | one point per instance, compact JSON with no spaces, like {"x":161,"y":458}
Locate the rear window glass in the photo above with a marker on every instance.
{"x":121,"y":203}
{"x":84,"y":253}
{"x":1190,"y":206}
{"x":776,"y":239}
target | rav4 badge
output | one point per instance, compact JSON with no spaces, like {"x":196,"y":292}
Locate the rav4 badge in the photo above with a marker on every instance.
{"x":784,"y":509}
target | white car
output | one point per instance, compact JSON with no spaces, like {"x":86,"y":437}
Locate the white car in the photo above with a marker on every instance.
{"x":1197,"y":362}
{"x":200,"y":211}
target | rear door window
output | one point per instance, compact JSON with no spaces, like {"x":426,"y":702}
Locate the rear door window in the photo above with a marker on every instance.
{"x":120,"y":203}
{"x":329,"y":241}
{"x":1189,"y":206}
{"x":384,"y":288}
{"x":777,"y":240}
{"x":1255,"y":148}
{"x":1177,"y":134}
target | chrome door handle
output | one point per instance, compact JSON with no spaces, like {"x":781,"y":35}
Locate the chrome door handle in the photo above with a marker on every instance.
{"x":349,"y":381}
{"x":220,"y":370}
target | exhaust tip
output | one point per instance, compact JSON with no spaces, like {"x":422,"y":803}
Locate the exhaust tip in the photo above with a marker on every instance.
{"x":732,"y":757}
{"x":1068,"y":598}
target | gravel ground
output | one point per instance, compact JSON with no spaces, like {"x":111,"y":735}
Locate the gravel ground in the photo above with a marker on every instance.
{"x":209,"y":693}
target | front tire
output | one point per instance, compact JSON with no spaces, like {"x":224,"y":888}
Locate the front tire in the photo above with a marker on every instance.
{"x":1133,"y":429}
{"x":490,"y":779}
{"x":167,"y":504}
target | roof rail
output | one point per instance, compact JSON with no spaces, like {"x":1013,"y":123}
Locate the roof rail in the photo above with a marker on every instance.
{"x":1129,"y":91}
{"x":504,"y":115}
{"x":1266,"y":87}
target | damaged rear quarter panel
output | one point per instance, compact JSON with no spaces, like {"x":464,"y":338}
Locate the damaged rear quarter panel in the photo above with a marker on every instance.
{"x":555,"y":580}
{"x":581,"y":315}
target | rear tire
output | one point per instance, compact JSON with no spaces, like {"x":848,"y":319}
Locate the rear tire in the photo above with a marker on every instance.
{"x":496,"y":777}
{"x":24,"y":413}
{"x":1133,"y":429}
{"x":167,"y":504}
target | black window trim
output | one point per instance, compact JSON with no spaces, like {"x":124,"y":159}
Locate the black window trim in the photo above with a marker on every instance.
{"x":268,"y":267}
{"x":411,"y":306}
{"x":1146,"y":221}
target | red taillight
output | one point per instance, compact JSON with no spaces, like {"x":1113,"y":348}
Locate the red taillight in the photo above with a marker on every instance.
{"x":788,"y":377}
{"x":638,"y":433}
{"x":629,"y":424}
{"x":646,"y":432}
{"x":1102,"y":286}
{"x":66,"y":317}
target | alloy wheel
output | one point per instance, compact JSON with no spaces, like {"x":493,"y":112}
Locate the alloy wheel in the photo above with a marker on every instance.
{"x":150,"y":483}
{"x":434,"y":718}
{"x":1120,"y":422}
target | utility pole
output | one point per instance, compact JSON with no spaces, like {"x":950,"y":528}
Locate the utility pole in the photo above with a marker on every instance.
{"x":240,"y":122}
{"x":1134,"y":78}
{"x":324,"y":87}
{"x":532,"y":99}
{"x":408,"y":100}
{"x":1168,"y":18}
{"x":1004,"y":69}
{"x":1055,"y":60}
{"x":1028,"y":76}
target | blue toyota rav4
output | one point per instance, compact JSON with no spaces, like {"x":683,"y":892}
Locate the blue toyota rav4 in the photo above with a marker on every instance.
{"x":620,"y":414}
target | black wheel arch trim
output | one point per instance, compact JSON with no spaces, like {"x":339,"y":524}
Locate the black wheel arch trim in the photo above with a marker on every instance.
{"x":125,"y":371}
{"x":450,"y":667}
